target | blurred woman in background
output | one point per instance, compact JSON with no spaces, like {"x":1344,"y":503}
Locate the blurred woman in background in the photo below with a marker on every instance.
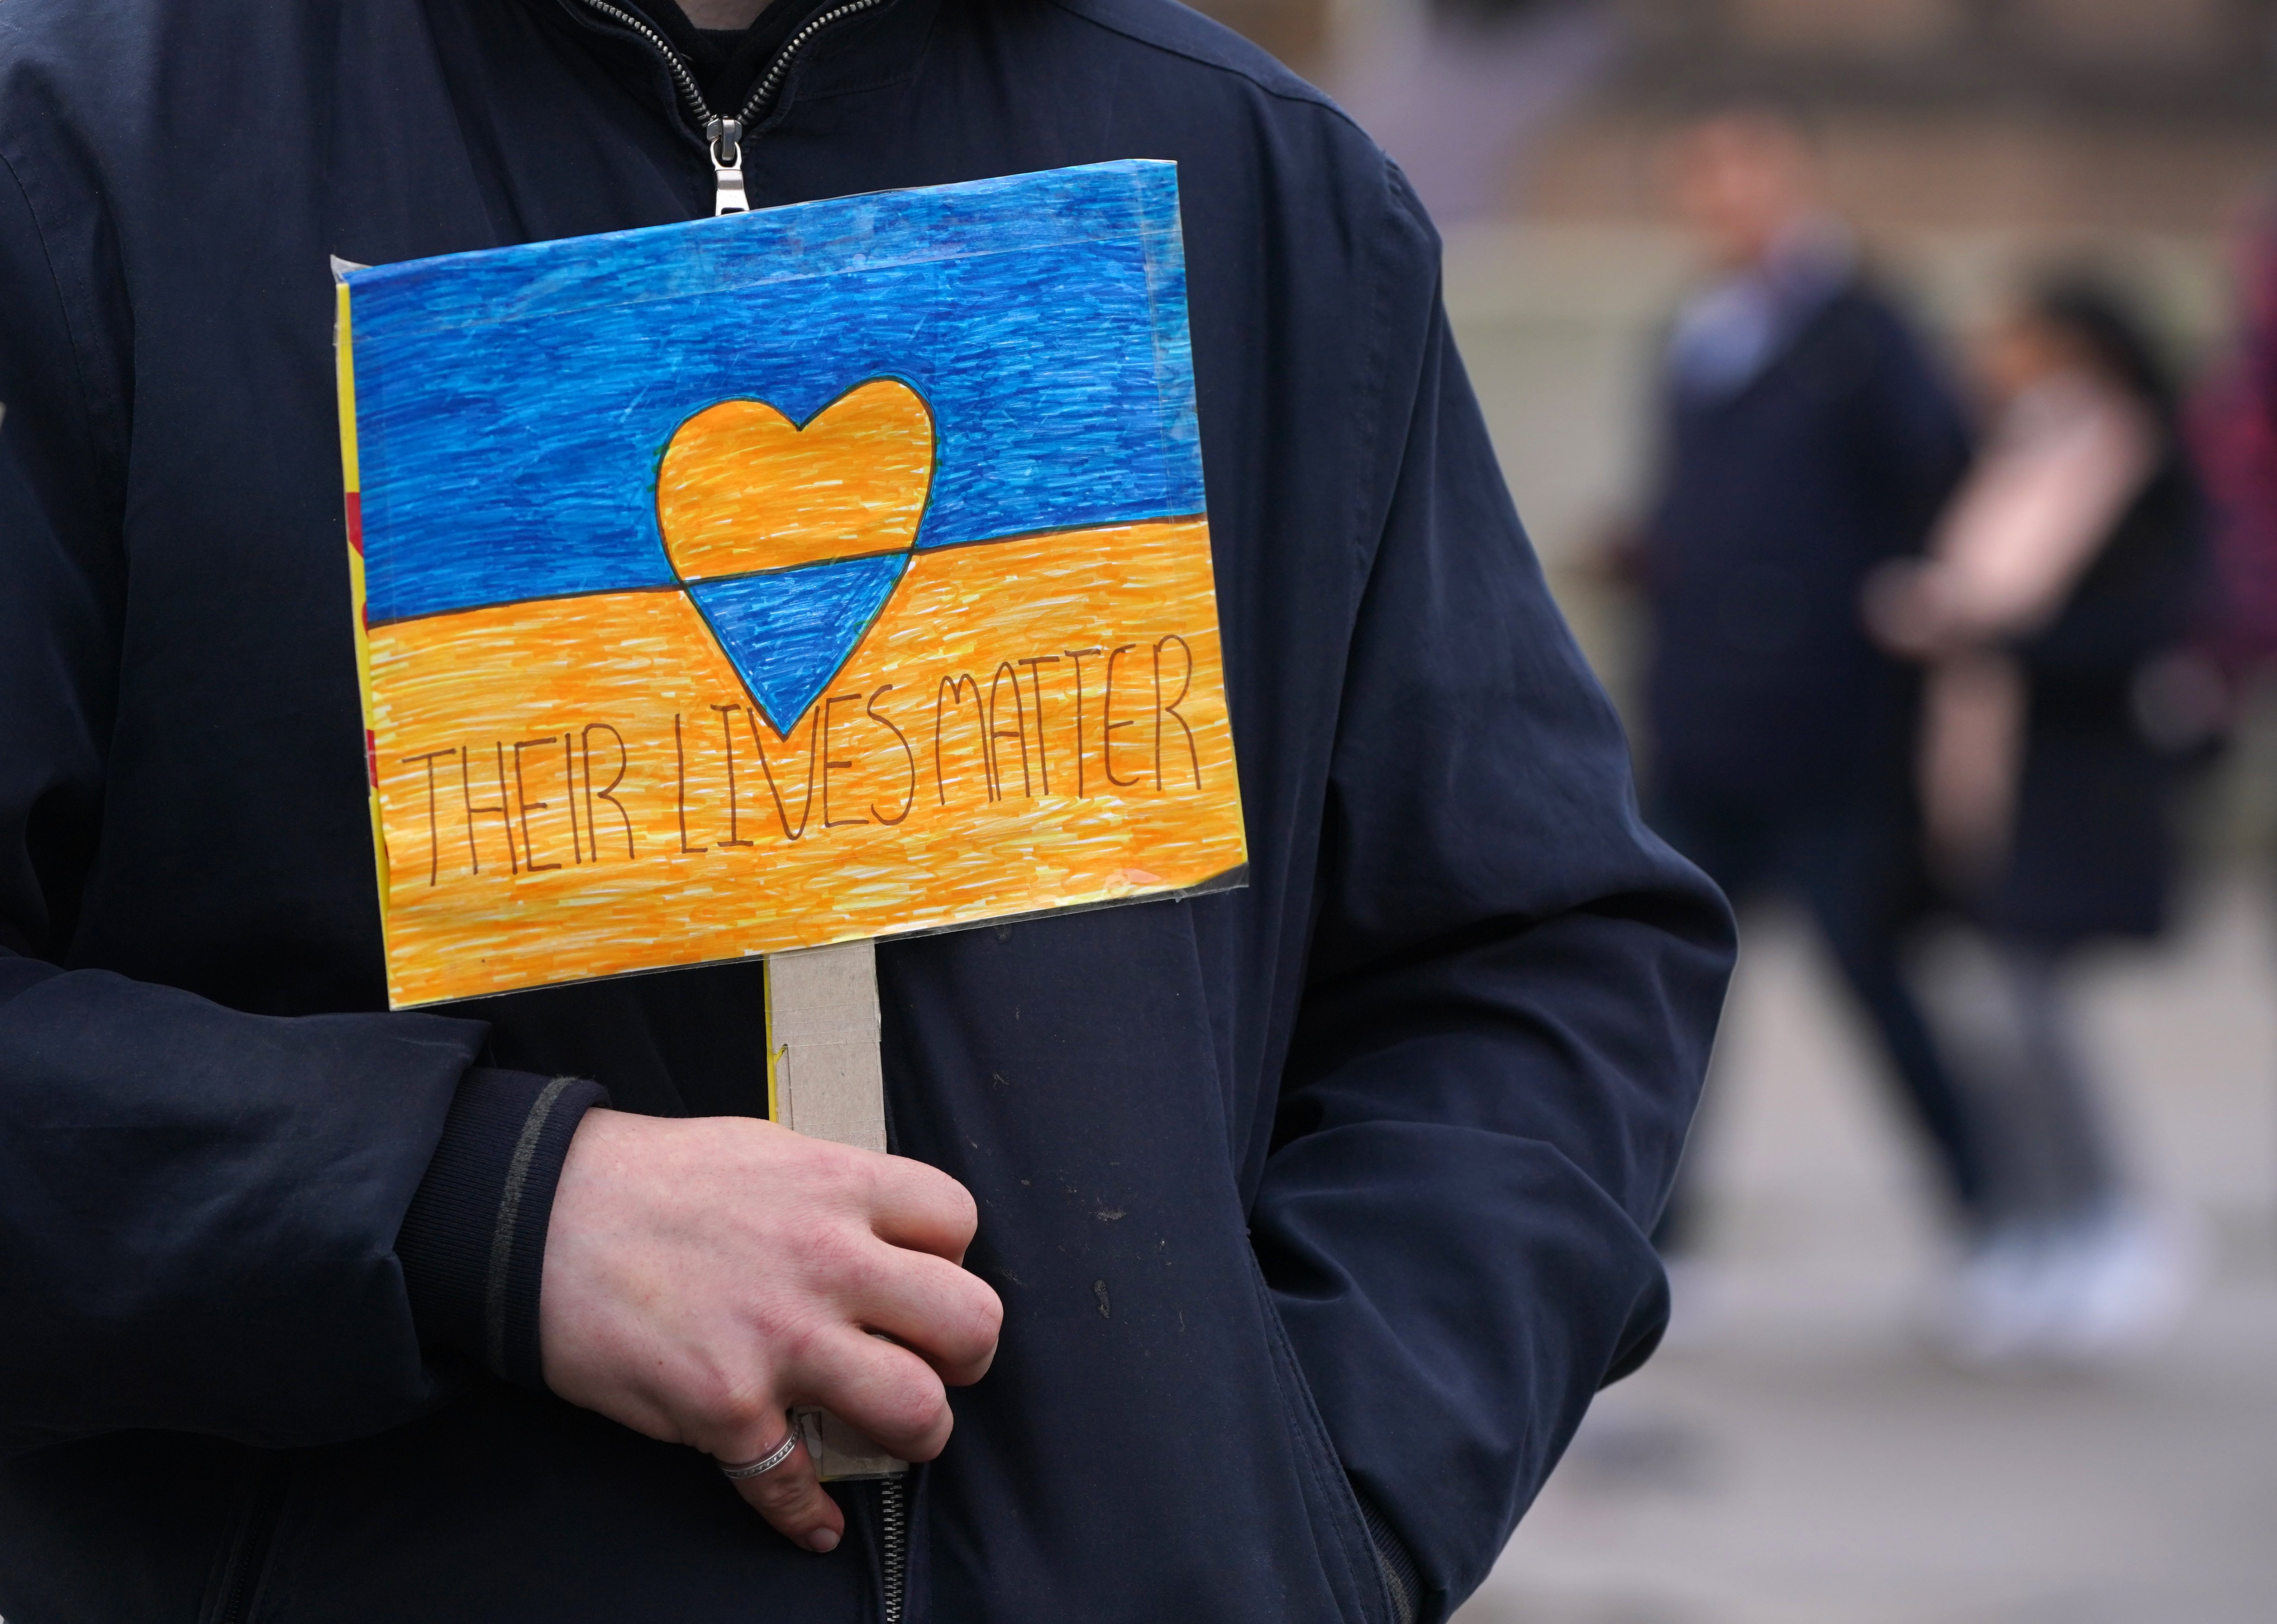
{"x":2061,"y":579}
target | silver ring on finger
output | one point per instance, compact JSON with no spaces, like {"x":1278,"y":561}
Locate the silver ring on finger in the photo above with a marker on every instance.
{"x":736,"y":1472}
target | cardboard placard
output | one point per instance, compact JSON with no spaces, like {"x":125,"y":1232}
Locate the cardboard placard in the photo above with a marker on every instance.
{"x":795,"y":577}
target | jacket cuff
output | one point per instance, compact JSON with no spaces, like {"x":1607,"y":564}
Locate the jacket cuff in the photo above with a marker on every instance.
{"x":472,"y":1243}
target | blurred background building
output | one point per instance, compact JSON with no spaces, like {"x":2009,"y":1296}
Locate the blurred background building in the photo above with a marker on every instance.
{"x":1798,"y":1453}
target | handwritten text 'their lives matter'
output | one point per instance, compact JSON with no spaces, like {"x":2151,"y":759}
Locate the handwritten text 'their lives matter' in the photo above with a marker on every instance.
{"x":1104,"y":720}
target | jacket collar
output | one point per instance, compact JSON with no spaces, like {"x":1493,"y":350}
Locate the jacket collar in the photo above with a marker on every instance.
{"x":873,"y":51}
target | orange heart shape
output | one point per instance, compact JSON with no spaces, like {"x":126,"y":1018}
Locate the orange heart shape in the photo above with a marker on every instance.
{"x":743,"y":489}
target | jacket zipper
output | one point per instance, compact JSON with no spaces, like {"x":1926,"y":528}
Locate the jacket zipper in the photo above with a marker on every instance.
{"x":725,"y":136}
{"x":893,"y":1545}
{"x":256,"y":1532}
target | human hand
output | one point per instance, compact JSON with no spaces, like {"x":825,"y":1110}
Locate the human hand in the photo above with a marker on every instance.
{"x":705,"y":1275}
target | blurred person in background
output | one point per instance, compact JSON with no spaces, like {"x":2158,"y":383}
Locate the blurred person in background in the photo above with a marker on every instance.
{"x":2059,"y":587}
{"x":1808,"y":441}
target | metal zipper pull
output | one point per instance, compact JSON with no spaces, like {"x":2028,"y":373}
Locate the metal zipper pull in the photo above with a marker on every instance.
{"x":726,"y":138}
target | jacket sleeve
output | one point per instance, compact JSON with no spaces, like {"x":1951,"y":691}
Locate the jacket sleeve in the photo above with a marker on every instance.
{"x":258,"y":1227}
{"x":1512,"y":990}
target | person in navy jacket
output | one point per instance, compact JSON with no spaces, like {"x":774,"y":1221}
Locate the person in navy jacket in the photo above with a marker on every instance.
{"x":1292,"y":1228}
{"x":1809,"y":441}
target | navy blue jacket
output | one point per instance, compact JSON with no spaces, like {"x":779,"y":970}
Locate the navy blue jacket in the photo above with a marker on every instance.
{"x":1327,"y":1193}
{"x":1777,"y":501}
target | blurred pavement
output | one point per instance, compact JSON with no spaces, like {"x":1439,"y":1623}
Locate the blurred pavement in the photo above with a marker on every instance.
{"x":1798,"y":1457}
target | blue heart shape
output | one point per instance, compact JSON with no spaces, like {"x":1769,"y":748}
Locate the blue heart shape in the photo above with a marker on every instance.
{"x":789,"y":632}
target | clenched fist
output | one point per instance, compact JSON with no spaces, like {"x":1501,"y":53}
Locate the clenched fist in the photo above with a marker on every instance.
{"x":703,"y":1276}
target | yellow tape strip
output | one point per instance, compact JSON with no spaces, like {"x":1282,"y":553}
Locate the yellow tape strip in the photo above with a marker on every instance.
{"x":351,"y":486}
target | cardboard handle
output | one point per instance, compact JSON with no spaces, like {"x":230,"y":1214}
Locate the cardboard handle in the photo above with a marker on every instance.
{"x":825,"y":1079}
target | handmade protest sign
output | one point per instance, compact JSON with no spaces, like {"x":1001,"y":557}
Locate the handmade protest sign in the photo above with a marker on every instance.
{"x":789,"y":578}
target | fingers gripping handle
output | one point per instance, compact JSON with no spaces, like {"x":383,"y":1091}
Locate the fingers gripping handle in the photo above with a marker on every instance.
{"x":824,"y":1080}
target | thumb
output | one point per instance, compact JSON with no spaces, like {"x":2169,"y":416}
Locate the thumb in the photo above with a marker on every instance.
{"x":790,"y":1497}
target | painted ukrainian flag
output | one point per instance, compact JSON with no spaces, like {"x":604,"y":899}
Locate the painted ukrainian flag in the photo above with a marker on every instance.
{"x":798,"y":576}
